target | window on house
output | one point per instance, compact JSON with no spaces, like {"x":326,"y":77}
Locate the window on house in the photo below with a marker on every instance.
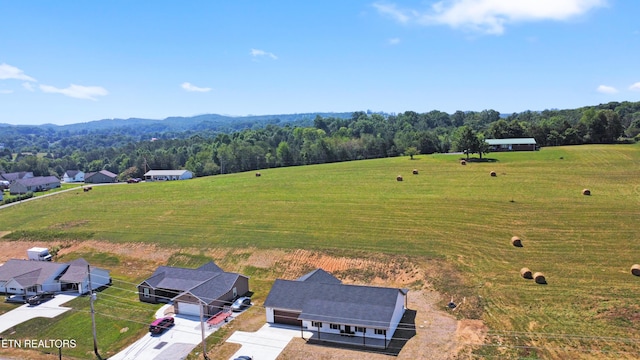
{"x":381,"y":332}
{"x":235,"y":292}
{"x":145,"y":292}
{"x":316,"y":324}
{"x":361,"y":329}
{"x":334,"y":326}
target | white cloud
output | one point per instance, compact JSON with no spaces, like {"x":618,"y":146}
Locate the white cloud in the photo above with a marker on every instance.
{"x":6,"y":91}
{"x":635,"y":87}
{"x":256,"y":53}
{"x":77,"y":91}
{"x":28,"y":86}
{"x":190,"y":87}
{"x":11,"y":72}
{"x":607,"y":89}
{"x":489,"y":16}
{"x":394,"y":41}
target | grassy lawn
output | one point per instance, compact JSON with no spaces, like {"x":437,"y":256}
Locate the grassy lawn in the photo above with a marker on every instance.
{"x":585,"y":245}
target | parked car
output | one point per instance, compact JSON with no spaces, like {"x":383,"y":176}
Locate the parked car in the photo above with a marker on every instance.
{"x":134,"y":180}
{"x":159,"y":325}
{"x":40,"y":298}
{"x":243,"y":357}
{"x":241,"y":303}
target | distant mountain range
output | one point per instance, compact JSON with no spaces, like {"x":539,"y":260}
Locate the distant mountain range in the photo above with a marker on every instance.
{"x":208,"y":122}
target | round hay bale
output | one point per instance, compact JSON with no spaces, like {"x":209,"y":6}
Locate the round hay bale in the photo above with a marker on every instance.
{"x":515,"y":241}
{"x":415,"y":171}
{"x":539,"y":278}
{"x":635,"y":269}
{"x":526,"y":273}
{"x":493,"y":173}
{"x":586,"y":192}
{"x":399,"y":178}
{"x":463,"y":162}
{"x":258,"y":174}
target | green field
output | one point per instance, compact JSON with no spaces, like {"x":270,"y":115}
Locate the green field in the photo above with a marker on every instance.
{"x":585,"y":245}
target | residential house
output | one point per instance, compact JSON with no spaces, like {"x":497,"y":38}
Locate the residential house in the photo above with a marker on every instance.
{"x":320,"y":303}
{"x":11,"y":177}
{"x":100,"y":177}
{"x":207,"y":289}
{"x":30,"y":277}
{"x":514,"y":144}
{"x":34,"y":184}
{"x":71,"y":176}
{"x":162,"y":175}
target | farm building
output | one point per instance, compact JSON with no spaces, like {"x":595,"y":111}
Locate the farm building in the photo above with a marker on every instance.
{"x":73,"y":176}
{"x":28,"y":277}
{"x":34,"y":184}
{"x":162,"y":175}
{"x":334,"y":312}
{"x":208,"y":288}
{"x":514,"y":144}
{"x":100,"y":177}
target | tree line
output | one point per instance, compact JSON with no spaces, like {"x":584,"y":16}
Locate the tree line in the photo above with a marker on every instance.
{"x":326,"y":139}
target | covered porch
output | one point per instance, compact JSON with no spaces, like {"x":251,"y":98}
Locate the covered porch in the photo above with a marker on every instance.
{"x":356,"y":340}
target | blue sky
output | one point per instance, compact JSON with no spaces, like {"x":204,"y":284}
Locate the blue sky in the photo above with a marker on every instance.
{"x":67,"y":62}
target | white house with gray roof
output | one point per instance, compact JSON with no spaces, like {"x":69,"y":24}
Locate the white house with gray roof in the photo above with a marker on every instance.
{"x":336,"y":312}
{"x":29,"y":277}
{"x":162,"y":175}
{"x":34,"y":184}
{"x":207,"y":288}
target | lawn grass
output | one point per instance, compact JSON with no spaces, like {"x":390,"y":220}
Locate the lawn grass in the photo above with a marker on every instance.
{"x":585,"y":245}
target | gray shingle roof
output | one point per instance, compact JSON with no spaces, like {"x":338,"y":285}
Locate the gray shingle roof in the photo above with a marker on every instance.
{"x":358,"y":305}
{"x":215,"y":287}
{"x":321,"y":276}
{"x":38,"y":180}
{"x":29,"y":272}
{"x":76,"y":272}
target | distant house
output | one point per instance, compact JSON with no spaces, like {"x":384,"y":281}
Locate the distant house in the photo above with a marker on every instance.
{"x":320,"y":303}
{"x":207,"y":288}
{"x":514,"y":144}
{"x":162,"y":175}
{"x":29,"y":277}
{"x":11,"y":177}
{"x":100,"y":177}
{"x":71,"y":176}
{"x":34,"y":184}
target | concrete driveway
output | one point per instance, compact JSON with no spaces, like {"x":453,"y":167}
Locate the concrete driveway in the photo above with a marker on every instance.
{"x":49,"y":309}
{"x":266,"y":343}
{"x":174,"y":344}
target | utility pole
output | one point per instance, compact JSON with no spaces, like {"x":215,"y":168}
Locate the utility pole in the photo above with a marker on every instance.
{"x":92,"y":297}
{"x":204,"y":344}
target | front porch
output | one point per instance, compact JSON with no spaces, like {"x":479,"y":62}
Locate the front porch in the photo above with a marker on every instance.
{"x":357,"y":340}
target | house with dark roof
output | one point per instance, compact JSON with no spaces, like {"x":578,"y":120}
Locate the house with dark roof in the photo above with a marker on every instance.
{"x":34,"y":184}
{"x":336,"y":312}
{"x":208,"y":288}
{"x":71,"y":176}
{"x":11,"y":177}
{"x":29,"y":277}
{"x":100,"y":177}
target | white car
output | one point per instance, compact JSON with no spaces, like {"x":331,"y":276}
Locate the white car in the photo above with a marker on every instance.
{"x":241,"y":303}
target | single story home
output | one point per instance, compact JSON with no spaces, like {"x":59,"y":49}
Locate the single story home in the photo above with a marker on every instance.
{"x":514,"y":144}
{"x":11,"y":177}
{"x":34,"y":184}
{"x":71,"y":176}
{"x":320,"y":303}
{"x":207,"y":289}
{"x":162,"y":175}
{"x":31,"y":277}
{"x":100,"y":177}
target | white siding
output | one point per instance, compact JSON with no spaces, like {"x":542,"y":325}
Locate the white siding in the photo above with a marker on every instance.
{"x":270,"y":318}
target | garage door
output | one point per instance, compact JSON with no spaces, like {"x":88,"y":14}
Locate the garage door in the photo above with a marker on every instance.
{"x":286,"y":317}
{"x":188,"y":309}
